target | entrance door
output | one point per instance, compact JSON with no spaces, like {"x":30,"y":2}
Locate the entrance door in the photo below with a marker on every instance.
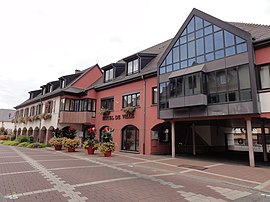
{"x":130,"y":138}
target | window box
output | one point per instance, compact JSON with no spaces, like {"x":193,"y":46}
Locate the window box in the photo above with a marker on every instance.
{"x":47,"y":116}
{"x":129,"y":110}
{"x":104,"y":111}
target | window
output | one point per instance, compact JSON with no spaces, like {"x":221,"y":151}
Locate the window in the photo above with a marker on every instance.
{"x":133,"y":67}
{"x":163,"y":95}
{"x":78,"y":105}
{"x":26,"y":112}
{"x":108,"y":75}
{"x":107,"y":103}
{"x":201,"y":42}
{"x":154,"y":95}
{"x":62,"y":104}
{"x":51,"y":88}
{"x":43,"y":90}
{"x":131,"y":100}
{"x":39,"y":109}
{"x":264,"y":73}
{"x":229,"y":85}
{"x":62,"y":83}
{"x":32,"y":111}
{"x":49,"y":106}
{"x":186,"y":85}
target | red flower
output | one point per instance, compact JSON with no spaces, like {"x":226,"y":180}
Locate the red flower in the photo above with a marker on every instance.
{"x":70,"y":128}
{"x":94,"y":129}
{"x":89,"y":129}
{"x":106,"y":129}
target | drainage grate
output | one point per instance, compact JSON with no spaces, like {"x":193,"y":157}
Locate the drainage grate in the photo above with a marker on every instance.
{"x":192,"y":167}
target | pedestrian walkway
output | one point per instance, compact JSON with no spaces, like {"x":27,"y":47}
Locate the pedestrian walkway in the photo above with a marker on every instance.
{"x":47,"y":175}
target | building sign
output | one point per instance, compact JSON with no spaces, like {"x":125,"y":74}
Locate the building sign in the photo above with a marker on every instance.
{"x":118,"y":117}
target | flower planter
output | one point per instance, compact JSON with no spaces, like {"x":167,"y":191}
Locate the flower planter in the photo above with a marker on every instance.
{"x":90,"y":150}
{"x":58,"y":147}
{"x":71,"y":149}
{"x":108,"y":154}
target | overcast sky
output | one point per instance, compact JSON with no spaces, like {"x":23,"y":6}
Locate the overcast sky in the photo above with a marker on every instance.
{"x":41,"y":40}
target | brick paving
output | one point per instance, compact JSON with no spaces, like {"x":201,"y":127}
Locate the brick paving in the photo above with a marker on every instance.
{"x":47,"y":175}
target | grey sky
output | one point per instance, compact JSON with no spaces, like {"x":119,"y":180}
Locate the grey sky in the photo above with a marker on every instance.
{"x":43,"y":40}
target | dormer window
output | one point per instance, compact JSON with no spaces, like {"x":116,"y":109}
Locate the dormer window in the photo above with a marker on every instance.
{"x":51,"y":88}
{"x":44,"y":91}
{"x":31,"y":96}
{"x":63,"y":83}
{"x":133,"y":67}
{"x":109,"y":75}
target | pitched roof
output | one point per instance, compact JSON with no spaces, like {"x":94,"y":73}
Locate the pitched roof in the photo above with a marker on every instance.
{"x":258,"y":32}
{"x":151,"y":67}
{"x":70,"y":79}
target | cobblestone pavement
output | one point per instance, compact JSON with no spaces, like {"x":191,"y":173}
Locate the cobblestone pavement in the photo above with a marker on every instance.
{"x":34,"y":175}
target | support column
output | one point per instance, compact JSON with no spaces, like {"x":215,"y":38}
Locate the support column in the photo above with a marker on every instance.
{"x":193,"y":140}
{"x":265,"y":158}
{"x":47,"y":137}
{"x":250,"y":143}
{"x":173,"y":138}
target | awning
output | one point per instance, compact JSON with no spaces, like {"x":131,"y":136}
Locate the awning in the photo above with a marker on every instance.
{"x":188,"y":70}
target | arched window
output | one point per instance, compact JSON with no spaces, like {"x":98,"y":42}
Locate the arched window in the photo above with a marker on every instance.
{"x":130,"y":138}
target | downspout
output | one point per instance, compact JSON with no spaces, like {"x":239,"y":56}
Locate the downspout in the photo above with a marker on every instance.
{"x":144,"y":113}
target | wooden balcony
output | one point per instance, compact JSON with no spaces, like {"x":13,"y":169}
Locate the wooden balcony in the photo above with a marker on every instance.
{"x":76,"y":117}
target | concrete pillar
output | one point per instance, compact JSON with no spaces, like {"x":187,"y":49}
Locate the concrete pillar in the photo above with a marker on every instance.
{"x":265,"y":158}
{"x":193,"y":140}
{"x":250,"y":143}
{"x":47,"y":137}
{"x":173,"y":138}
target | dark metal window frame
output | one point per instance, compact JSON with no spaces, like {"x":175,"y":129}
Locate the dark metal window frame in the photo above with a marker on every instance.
{"x":136,"y":99}
{"x":154,"y":95}
{"x":110,"y":72}
{"x":164,"y":66}
{"x":107,"y":103}
{"x":75,"y":105}
{"x":133,"y":71}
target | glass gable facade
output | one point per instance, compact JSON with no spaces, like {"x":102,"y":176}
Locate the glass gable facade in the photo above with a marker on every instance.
{"x":200,"y":42}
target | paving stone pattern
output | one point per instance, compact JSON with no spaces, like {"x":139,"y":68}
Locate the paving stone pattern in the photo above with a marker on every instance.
{"x":34,"y":175}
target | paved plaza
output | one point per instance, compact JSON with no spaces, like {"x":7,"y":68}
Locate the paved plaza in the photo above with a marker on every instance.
{"x":33,"y":175}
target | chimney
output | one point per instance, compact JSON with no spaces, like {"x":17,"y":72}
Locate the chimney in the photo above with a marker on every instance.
{"x":77,"y":71}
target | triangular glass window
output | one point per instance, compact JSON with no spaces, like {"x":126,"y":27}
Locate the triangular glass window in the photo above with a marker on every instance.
{"x":199,"y":42}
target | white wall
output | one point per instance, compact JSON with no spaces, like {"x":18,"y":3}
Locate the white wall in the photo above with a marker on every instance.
{"x":53,"y":121}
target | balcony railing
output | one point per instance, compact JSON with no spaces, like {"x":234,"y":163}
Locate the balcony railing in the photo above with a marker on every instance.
{"x":76,"y":117}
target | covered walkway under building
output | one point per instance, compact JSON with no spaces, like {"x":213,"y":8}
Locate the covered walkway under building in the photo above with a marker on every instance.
{"x":221,"y":137}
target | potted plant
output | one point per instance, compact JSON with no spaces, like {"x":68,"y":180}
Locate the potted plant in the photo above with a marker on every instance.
{"x":57,"y":139}
{"x":129,"y":110}
{"x":71,"y":144}
{"x":91,"y":143}
{"x":69,"y":141}
{"x":107,"y":146}
{"x":104,"y":111}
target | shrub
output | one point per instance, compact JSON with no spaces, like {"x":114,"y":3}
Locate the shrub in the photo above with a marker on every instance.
{"x":12,"y":137}
{"x":1,"y":141}
{"x":31,"y":139}
{"x":11,"y":143}
{"x":36,"y":145}
{"x":23,"y":138}
{"x":23,"y":144}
